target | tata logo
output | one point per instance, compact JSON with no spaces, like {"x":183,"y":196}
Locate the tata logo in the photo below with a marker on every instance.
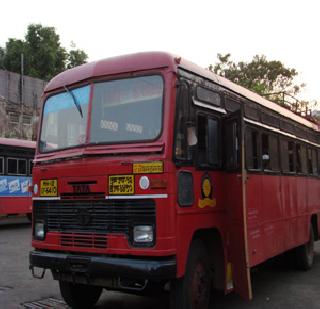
{"x":81,"y":188}
{"x":83,"y":217}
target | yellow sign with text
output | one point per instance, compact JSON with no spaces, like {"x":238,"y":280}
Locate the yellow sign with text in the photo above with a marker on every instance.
{"x":49,"y":187}
{"x":121,"y":184}
{"x":154,"y":167}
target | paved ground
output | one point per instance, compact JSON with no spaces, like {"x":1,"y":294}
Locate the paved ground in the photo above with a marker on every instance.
{"x":274,"y":285}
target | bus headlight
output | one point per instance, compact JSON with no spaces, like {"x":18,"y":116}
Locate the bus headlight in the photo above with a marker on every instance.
{"x":143,"y":234}
{"x":39,"y":232}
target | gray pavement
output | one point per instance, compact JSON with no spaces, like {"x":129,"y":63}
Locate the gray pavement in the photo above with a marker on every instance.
{"x":274,"y":285}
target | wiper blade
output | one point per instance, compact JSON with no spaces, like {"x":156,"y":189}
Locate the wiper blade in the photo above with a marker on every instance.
{"x":76,"y":103}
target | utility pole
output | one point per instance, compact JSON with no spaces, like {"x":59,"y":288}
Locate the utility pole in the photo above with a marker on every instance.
{"x":21,"y":95}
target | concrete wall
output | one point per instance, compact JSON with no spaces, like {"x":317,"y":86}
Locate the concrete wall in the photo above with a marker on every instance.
{"x":20,"y":102}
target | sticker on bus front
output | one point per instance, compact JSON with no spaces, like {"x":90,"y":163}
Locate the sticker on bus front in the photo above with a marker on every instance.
{"x":49,"y":187}
{"x":121,"y":184}
{"x":153,"y":167}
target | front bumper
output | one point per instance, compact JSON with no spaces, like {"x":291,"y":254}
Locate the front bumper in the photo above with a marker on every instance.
{"x":100,"y":267}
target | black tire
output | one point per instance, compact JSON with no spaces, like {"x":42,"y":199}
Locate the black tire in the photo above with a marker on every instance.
{"x":79,"y":296}
{"x":193,"y":290}
{"x":304,"y":255}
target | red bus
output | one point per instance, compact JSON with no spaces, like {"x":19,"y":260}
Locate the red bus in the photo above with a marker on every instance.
{"x":153,"y":173}
{"x":15,"y":176}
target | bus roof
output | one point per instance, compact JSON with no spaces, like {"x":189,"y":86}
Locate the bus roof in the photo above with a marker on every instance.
{"x":17,"y":143}
{"x":155,"y":60}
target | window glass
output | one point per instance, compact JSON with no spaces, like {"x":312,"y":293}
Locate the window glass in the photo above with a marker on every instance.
{"x":252,"y":149}
{"x":232,"y":145}
{"x":314,"y":162}
{"x":291,"y":156}
{"x":298,"y":158}
{"x":208,"y":96}
{"x":12,"y":166}
{"x":65,"y":120}
{"x":309,"y":160}
{"x":208,"y":141}
{"x":202,"y":140}
{"x":22,"y":167}
{"x":270,"y":152}
{"x":304,"y":169}
{"x":274,"y":153}
{"x":1,"y":165}
{"x":181,"y":146}
{"x":265,"y":151}
{"x":213,"y":146}
{"x":127,"y":110}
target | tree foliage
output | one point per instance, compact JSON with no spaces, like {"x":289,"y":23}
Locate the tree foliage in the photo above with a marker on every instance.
{"x":270,"y":79}
{"x":43,"y":54}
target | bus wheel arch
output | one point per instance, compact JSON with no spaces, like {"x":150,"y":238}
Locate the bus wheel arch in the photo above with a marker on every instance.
{"x":192,"y":291}
{"x":213,"y":242}
{"x":304,"y":254}
{"x":205,"y":260}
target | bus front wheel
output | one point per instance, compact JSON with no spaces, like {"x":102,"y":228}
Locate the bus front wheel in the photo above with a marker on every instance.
{"x":79,"y":296}
{"x":193,"y":290}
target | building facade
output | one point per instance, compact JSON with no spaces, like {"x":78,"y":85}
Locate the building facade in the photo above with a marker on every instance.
{"x":20,"y":100}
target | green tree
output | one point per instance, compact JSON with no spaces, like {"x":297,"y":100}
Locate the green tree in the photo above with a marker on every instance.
{"x":1,"y":58}
{"x":270,"y":79}
{"x":12,"y":54}
{"x":76,"y":57}
{"x":44,"y":56}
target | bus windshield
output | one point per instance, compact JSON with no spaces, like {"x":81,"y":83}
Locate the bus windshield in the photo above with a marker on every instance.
{"x":123,"y":110}
{"x":63,"y":125}
{"x":127,"y":110}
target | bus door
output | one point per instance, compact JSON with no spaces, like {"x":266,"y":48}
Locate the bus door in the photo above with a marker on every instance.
{"x":238,"y":271}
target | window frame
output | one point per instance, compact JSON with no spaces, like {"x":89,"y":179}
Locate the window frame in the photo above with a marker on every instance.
{"x":207,"y":165}
{"x":2,"y":168}
{"x":17,"y":173}
{"x":271,"y":152}
{"x":250,"y":130}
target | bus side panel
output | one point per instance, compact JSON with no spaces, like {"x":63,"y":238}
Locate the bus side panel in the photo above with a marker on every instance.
{"x":254,"y":218}
{"x":15,"y":205}
{"x":272,"y":215}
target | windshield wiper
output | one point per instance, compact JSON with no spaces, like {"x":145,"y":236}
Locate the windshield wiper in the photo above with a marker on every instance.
{"x":76,"y":103}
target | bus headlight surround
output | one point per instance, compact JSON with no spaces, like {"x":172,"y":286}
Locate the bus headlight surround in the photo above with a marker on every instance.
{"x":143,"y":234}
{"x":39,"y":231}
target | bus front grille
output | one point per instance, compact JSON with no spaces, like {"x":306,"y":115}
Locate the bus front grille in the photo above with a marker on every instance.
{"x":94,"y":216}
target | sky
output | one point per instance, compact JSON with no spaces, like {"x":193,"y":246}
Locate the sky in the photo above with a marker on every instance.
{"x":197,"y":30}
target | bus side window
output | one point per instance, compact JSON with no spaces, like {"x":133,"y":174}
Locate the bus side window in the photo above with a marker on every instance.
{"x":232,"y":146}
{"x":208,"y":143}
{"x":1,"y":165}
{"x":253,"y":149}
{"x":270,"y":152}
{"x":274,"y":152}
{"x":314,"y":162}
{"x":17,"y":166}
{"x":202,"y":154}
{"x":287,"y":156}
{"x":301,"y":158}
{"x":311,"y":161}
